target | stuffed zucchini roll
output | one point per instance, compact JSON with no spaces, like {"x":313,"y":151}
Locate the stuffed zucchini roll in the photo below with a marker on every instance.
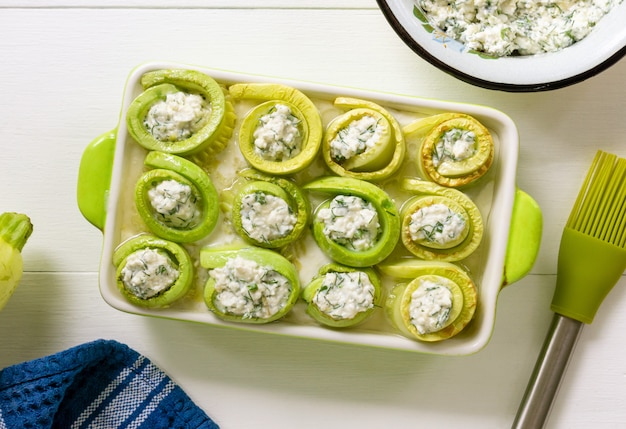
{"x":341,"y":296}
{"x":183,"y":112}
{"x":152,"y":272}
{"x":269,"y":211}
{"x":456,"y":149}
{"x":176,"y":198}
{"x":283,"y":134}
{"x":437,"y":303}
{"x":359,"y":226}
{"x":249,"y":285}
{"x":365,"y":143}
{"x":439,"y":223}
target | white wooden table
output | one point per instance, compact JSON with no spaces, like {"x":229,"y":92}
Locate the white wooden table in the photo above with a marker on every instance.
{"x":64,"y":64}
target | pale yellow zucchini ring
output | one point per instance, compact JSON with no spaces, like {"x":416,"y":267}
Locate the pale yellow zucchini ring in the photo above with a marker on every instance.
{"x":437,"y":303}
{"x":439,"y":223}
{"x":455,"y":151}
{"x":364,"y":143}
{"x":283,"y":134}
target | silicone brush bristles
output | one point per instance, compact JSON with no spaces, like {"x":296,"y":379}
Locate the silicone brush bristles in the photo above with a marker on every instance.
{"x":600,"y":209}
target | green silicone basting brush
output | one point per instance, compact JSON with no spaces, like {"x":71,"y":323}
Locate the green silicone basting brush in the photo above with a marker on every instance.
{"x":592,"y":258}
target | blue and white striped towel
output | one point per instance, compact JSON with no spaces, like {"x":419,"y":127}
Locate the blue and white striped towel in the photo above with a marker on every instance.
{"x":97,"y":385}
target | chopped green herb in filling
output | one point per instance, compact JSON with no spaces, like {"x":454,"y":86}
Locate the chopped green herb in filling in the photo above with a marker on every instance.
{"x":247,"y":289}
{"x":177,"y":117}
{"x":430,"y":307}
{"x":436,"y":224}
{"x":356,"y":138}
{"x":454,"y":145}
{"x":344,"y":295}
{"x":148,"y":273}
{"x":265,"y":217}
{"x":351,"y":221}
{"x":278,"y":136}
{"x":175,"y":204}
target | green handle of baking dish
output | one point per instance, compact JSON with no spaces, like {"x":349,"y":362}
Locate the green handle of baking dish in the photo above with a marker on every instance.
{"x":94,"y":180}
{"x":524,"y":238}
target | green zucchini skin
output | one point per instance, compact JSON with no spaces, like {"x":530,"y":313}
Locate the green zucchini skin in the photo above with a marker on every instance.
{"x":308,"y":295}
{"x":388,"y":216}
{"x":211,"y":258}
{"x":177,"y":254}
{"x":278,"y":187}
{"x":172,"y":167}
{"x":157,"y":85}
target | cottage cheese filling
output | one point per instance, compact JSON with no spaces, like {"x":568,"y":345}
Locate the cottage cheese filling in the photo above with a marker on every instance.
{"x":148,"y":272}
{"x":177,"y":117}
{"x":277,"y":136}
{"x":430,"y":307}
{"x":265,"y":217}
{"x":454,"y":145}
{"x":508,"y":27}
{"x":344,"y":295}
{"x":351,"y":221}
{"x":245,"y":288}
{"x":175,"y":204}
{"x":359,"y":136}
{"x":437,"y":224}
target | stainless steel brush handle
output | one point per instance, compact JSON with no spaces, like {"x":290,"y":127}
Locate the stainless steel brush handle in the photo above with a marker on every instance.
{"x":549,"y":370}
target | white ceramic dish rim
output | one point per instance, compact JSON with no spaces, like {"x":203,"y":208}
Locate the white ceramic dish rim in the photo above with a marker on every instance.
{"x":497,"y":225}
{"x":602,"y":48}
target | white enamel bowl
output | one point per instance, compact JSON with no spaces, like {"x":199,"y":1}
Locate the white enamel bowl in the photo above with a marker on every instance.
{"x":602,"y":48}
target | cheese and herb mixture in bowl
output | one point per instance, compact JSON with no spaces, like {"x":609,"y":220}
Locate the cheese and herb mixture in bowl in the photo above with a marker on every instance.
{"x":508,"y":27}
{"x":513,"y":45}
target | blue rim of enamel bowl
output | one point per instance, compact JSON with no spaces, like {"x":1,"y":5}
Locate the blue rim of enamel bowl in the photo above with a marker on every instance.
{"x":408,"y":39}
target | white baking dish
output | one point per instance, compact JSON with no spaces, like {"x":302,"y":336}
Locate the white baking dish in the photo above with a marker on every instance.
{"x":112,"y":163}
